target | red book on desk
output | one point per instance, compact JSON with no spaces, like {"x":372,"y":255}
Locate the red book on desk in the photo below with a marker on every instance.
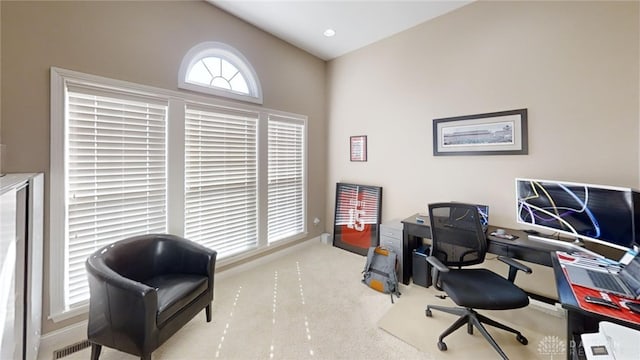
{"x":580,"y":292}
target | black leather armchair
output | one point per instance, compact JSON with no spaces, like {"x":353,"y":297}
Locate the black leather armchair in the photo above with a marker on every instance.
{"x":144,"y":289}
{"x":459,"y":241}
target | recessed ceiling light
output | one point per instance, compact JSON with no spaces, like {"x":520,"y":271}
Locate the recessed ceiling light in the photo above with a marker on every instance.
{"x":329,"y":32}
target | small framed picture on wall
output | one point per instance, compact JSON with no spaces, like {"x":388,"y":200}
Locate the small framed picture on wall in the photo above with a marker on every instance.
{"x":358,"y":148}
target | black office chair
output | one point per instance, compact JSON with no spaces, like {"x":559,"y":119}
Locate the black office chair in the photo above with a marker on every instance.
{"x":457,"y":241}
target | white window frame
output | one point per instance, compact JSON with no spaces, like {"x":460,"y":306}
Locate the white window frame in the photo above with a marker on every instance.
{"x":234,"y":57}
{"x":223,"y":141}
{"x":175,"y":179}
{"x":281,"y":119}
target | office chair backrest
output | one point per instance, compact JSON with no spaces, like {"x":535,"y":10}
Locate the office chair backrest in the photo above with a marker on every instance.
{"x":456,"y":234}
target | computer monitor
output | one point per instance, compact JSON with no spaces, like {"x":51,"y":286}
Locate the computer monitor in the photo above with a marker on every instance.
{"x":597,"y":213}
{"x":636,"y":220}
{"x":483,"y":211}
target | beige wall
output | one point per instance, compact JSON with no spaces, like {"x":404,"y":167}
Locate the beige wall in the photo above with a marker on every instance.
{"x":574,"y":65}
{"x":141,"y":42}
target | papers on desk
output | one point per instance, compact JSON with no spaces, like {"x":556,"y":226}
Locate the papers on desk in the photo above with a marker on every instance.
{"x":586,"y":260}
{"x":611,"y":342}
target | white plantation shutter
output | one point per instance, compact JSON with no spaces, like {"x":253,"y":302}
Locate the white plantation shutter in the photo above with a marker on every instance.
{"x":221,"y":200}
{"x":129,"y":159}
{"x":286,"y":184}
{"x":116,"y":175}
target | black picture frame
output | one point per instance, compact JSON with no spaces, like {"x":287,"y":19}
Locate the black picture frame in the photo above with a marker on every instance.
{"x":495,"y":133}
{"x":357,"y":216}
{"x":358,"y":148}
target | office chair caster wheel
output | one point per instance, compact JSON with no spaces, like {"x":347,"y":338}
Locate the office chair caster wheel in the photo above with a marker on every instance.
{"x":428,"y":313}
{"x":442,"y":346}
{"x":523,"y":340}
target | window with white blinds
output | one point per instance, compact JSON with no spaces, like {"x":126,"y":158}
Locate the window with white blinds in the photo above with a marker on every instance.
{"x":221,"y":178}
{"x":116,"y":175}
{"x":129,"y":159}
{"x":286,"y":181}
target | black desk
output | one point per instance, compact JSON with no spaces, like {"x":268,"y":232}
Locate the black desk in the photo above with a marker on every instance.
{"x":579,"y":321}
{"x":521,"y":248}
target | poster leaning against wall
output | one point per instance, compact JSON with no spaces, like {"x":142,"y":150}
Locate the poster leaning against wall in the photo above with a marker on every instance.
{"x":357,"y":217}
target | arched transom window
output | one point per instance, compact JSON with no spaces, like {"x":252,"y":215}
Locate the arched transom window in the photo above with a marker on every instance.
{"x":219,"y":69}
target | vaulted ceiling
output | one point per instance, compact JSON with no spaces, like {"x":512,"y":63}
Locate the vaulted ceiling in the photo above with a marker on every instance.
{"x":356,"y":23}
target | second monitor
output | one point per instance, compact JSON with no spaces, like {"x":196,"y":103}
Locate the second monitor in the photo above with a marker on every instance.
{"x":597,"y":213}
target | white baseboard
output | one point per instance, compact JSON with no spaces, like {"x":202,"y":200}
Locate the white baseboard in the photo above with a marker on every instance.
{"x":58,"y":339}
{"x":265,"y":259}
{"x":551,"y":309}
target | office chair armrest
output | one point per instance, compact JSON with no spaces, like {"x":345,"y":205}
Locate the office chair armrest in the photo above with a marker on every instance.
{"x":438,"y":267}
{"x":514,"y":266}
{"x":437,"y":264}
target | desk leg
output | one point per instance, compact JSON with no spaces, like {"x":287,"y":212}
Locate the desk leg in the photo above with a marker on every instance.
{"x":578,"y":323}
{"x":408,"y":244}
{"x":573,"y":323}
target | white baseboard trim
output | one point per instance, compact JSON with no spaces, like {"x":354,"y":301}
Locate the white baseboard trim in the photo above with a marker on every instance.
{"x":58,"y":339}
{"x":266,"y":258}
{"x":551,"y":309}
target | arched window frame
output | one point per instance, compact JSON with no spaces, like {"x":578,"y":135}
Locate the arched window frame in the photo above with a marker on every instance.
{"x":230,"y":54}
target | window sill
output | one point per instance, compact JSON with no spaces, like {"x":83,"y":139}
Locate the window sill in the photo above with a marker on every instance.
{"x":69,"y":314}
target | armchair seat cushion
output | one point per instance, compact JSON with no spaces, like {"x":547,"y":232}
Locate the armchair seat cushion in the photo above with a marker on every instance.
{"x":482,"y":289}
{"x":175,"y":291}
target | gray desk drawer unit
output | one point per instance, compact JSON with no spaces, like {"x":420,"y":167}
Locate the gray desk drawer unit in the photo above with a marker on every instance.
{"x":391,"y":238}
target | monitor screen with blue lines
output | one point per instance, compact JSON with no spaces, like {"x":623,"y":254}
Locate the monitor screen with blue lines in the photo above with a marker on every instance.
{"x":483,"y":210}
{"x":603,"y":214}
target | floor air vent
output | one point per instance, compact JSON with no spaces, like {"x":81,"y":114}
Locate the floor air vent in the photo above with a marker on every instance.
{"x":58,"y":354}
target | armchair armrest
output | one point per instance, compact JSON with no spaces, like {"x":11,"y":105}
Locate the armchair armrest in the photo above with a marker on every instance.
{"x":104,"y":274}
{"x":111,"y":293}
{"x":191,"y":257}
{"x":514,"y":266}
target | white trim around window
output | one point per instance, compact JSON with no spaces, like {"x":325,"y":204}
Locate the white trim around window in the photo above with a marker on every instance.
{"x":238,"y":118}
{"x":286,"y":177}
{"x":220,"y":53}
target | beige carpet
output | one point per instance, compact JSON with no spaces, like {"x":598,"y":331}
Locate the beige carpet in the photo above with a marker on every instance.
{"x":311,"y":304}
{"x":407,"y":321}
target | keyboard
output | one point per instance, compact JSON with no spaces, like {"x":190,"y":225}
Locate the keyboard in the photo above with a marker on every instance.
{"x":604,"y":281}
